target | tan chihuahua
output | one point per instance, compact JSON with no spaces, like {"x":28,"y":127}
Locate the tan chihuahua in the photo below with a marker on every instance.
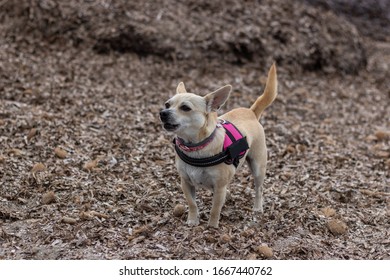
{"x":203,"y":155}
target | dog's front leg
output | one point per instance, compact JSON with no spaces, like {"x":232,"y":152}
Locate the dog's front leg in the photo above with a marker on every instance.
{"x":189,"y":193}
{"x":219,"y":197}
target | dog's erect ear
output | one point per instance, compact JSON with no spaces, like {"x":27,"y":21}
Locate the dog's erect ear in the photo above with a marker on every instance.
{"x":181,"y":88}
{"x":216,"y":99}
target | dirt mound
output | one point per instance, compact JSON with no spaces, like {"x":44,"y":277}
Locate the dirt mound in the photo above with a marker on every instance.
{"x":289,"y":32}
{"x":372,"y":17}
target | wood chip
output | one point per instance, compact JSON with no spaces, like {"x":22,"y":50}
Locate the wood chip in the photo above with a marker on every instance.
{"x":179,"y":210}
{"x":31,"y":133}
{"x":328,"y":212}
{"x":382,"y":154}
{"x":337,"y":227}
{"x":375,"y":193}
{"x":291,"y":149}
{"x":90,"y":165}
{"x":86,"y":215}
{"x":69,"y":220}
{"x":60,"y":153}
{"x":99,"y":215}
{"x":49,"y":197}
{"x":265,"y":251}
{"x":38,"y":167}
{"x":225,"y":238}
{"x":382,"y":135}
{"x":141,"y":230}
{"x":15,"y":152}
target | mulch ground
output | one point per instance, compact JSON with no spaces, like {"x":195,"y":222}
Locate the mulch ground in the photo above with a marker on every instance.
{"x":86,"y":171}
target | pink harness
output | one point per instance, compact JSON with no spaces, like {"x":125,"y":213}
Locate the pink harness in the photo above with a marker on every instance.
{"x":232,"y":134}
{"x":234,"y":147}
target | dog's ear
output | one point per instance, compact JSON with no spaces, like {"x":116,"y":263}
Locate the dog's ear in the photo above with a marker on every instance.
{"x":181,"y":88}
{"x":216,"y":99}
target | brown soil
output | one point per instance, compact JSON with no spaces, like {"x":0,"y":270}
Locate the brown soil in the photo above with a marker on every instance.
{"x":87,"y":172}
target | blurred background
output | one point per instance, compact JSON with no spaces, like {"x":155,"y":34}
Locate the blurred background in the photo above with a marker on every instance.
{"x":314,"y":35}
{"x":87,"y":172}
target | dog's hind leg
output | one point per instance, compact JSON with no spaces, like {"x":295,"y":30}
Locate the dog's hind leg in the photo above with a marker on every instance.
{"x":189,"y":193}
{"x":258,"y":163}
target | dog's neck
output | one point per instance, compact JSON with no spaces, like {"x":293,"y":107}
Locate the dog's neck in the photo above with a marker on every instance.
{"x":206,"y":130}
{"x":192,"y":147}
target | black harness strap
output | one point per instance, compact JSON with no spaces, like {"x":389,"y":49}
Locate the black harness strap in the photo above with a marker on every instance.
{"x":231,"y":155}
{"x":202,"y":162}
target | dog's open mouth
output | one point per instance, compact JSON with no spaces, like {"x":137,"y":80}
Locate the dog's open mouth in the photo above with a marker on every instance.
{"x":170,"y":127}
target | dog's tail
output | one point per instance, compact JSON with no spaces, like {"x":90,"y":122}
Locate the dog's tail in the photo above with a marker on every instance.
{"x":268,"y":95}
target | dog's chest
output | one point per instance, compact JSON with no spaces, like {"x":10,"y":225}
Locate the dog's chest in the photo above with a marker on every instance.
{"x":200,"y":177}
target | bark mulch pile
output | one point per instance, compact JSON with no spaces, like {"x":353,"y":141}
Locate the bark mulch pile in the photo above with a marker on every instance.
{"x":86,"y":171}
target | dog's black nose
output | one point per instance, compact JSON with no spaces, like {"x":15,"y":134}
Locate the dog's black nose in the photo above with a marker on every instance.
{"x":164,"y":115}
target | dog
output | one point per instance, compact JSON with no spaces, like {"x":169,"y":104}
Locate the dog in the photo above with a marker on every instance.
{"x":201,"y":158}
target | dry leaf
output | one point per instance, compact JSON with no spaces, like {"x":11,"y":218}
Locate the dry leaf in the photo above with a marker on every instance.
{"x":38,"y":167}
{"x":285,"y":176}
{"x":60,"y":153}
{"x":69,"y":220}
{"x":15,"y":152}
{"x":265,"y":251}
{"x":48,"y":197}
{"x":86,"y":215}
{"x":31,"y":134}
{"x":382,"y":154}
{"x":375,"y":193}
{"x":142,"y":230}
{"x":99,"y":215}
{"x":337,"y":227}
{"x":90,"y":165}
{"x":328,"y":212}
{"x":179,"y":210}
{"x":198,"y":229}
{"x":290,"y":149}
{"x":28,"y":91}
{"x":382,"y":135}
{"x":209,"y":238}
{"x":225,"y":238}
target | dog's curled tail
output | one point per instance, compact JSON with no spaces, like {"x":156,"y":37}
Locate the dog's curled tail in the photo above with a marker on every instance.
{"x":268,"y":95}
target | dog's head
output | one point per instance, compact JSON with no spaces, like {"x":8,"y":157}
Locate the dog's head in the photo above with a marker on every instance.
{"x":187,"y":114}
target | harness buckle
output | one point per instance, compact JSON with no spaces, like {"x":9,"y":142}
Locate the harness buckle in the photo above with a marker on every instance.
{"x":237,"y":148}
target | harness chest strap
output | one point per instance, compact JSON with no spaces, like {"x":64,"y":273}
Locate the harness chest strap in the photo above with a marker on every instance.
{"x":234,"y":148}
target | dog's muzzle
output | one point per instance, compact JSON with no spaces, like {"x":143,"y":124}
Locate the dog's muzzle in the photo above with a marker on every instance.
{"x":165,"y":117}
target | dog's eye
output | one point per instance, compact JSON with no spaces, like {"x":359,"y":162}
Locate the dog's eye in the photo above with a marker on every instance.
{"x":167,"y":105}
{"x":185,"y":108}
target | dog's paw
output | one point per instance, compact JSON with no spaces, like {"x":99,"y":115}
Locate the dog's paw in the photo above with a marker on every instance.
{"x":258,"y":209}
{"x":213,"y":224}
{"x":193,"y":223}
